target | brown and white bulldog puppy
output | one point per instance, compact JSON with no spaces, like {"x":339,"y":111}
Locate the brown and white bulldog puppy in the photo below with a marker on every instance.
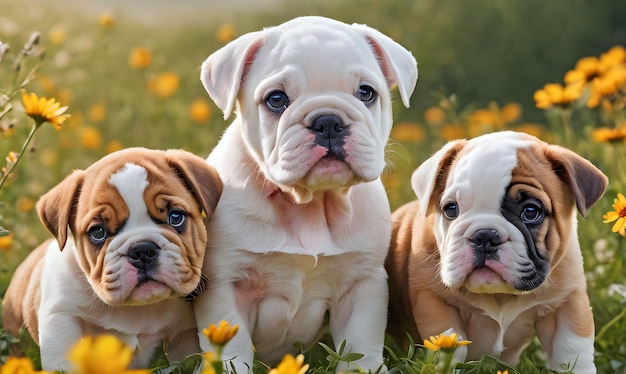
{"x":303,"y":226}
{"x":137,"y":222}
{"x":489,"y":250}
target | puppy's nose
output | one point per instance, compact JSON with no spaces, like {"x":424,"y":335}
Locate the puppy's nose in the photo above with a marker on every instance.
{"x":328,"y":126}
{"x":486,"y":241}
{"x":143,"y":255}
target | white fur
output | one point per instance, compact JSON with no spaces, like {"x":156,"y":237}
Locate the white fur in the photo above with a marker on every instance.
{"x":296,"y":235}
{"x":498,"y":317}
{"x":64,"y":317}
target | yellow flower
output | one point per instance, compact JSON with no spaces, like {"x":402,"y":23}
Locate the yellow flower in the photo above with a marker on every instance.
{"x":113,"y":146}
{"x":532,"y":129}
{"x":434,"y":115}
{"x":90,"y":138}
{"x":451,"y":132}
{"x":222,"y":334}
{"x":6,"y":242}
{"x":209,"y":360}
{"x":25,"y":204}
{"x":164,"y":84}
{"x":140,"y":58}
{"x":291,"y":365}
{"x":12,"y":157}
{"x":511,"y":112}
{"x":200,"y":110}
{"x":408,"y":132}
{"x":588,"y":65}
{"x":555,"y":94}
{"x":48,"y":157}
{"x":503,"y":372}
{"x":57,"y":35}
{"x":618,"y":215}
{"x":445,"y":342}
{"x":102,"y":355}
{"x":19,"y":365}
{"x":106,"y":20}
{"x":225,"y":33}
{"x":97,"y":112}
{"x":605,"y":134}
{"x":44,"y":110}
{"x":574,"y":76}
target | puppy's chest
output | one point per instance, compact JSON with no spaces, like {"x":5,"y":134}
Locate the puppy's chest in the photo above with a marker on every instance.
{"x":277,"y":290}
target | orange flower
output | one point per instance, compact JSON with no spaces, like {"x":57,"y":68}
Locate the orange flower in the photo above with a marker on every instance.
{"x":44,"y":110}
{"x":97,"y":112}
{"x":434,"y":115}
{"x":90,"y":138}
{"x":140,"y":58}
{"x":200,"y":110}
{"x":225,"y":33}
{"x":106,"y":20}
{"x":408,"y":132}
{"x":164,"y":84}
{"x":6,"y":242}
{"x":588,"y":65}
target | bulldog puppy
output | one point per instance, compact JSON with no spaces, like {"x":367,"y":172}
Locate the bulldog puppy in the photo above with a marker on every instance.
{"x":489,"y":250}
{"x":133,"y":254}
{"x":303,"y":226}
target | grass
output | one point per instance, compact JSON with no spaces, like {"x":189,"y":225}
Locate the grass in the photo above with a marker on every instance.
{"x":479,"y":65}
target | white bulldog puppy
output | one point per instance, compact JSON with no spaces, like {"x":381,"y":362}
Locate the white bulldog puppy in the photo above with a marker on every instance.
{"x":130,"y":241}
{"x":490,"y":250}
{"x":303,"y":226}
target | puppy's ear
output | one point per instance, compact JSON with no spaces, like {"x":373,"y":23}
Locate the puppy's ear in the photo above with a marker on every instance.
{"x":57,"y":208}
{"x":223,"y":71}
{"x":429,"y":179}
{"x":586,"y":181}
{"x":396,"y":62}
{"x":202,"y":179}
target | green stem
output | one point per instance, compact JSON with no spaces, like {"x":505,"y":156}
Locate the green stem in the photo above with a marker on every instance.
{"x":567,"y":127}
{"x":19,"y":156}
{"x":445,"y":363}
{"x":610,"y":324}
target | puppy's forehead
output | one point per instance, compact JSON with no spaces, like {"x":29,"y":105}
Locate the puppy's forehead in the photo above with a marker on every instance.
{"x":319,"y":46}
{"x":131,"y":182}
{"x":484,"y":169}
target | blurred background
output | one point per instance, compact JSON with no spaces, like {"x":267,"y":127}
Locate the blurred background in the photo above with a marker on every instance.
{"x":129,"y":73}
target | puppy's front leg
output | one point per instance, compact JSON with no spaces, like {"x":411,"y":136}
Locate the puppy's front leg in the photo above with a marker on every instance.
{"x":218,"y":304}
{"x":58,"y":332}
{"x":568,"y":335}
{"x":359,"y":318}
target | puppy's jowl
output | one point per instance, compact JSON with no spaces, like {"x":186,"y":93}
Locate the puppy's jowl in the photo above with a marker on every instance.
{"x":130,"y":242}
{"x":489,"y":250}
{"x":303,"y":226}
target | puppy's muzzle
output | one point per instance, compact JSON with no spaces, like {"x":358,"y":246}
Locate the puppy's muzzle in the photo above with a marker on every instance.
{"x":330,"y":133}
{"x":144,"y":256}
{"x":485,"y":243}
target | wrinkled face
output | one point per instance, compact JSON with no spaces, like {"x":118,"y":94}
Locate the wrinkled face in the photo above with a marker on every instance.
{"x":317,"y":110}
{"x":140,"y":235}
{"x":502,"y":218}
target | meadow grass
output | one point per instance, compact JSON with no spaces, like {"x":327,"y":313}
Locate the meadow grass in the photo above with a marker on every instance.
{"x":130,"y":77}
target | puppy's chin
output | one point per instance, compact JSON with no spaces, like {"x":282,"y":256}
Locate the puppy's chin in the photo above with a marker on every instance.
{"x":486,"y":281}
{"x":329,"y":173}
{"x":148,"y":293}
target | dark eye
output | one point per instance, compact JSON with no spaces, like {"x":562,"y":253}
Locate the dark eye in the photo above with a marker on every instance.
{"x":366,"y":94}
{"x":97,"y":234}
{"x":277,"y":101}
{"x":451,"y":210}
{"x":532,"y":214}
{"x":176,"y":218}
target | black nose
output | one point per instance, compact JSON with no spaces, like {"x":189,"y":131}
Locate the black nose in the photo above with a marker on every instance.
{"x":328,"y":126}
{"x":143,"y":255}
{"x":330,"y":132}
{"x":486,"y":241}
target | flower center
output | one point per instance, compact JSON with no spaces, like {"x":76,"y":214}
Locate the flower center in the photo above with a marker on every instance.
{"x":622,"y":212}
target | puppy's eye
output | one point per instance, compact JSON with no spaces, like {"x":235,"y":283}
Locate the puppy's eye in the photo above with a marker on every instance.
{"x":451,"y":210}
{"x":532,"y":214}
{"x":366,"y":94}
{"x":98,"y":234}
{"x":277,"y":101}
{"x":176,"y":219}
